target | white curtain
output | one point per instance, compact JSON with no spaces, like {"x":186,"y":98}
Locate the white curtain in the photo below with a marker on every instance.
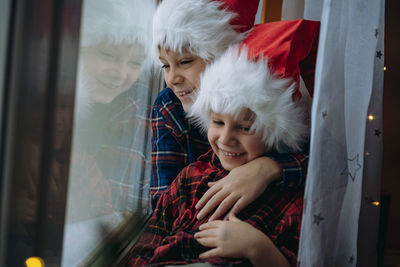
{"x":341,"y":209}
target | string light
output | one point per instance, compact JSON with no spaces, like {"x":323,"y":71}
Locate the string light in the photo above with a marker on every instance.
{"x":384,"y":68}
{"x":375,"y":203}
{"x":34,"y":262}
{"x":370,"y":117}
{"x":367,"y":153}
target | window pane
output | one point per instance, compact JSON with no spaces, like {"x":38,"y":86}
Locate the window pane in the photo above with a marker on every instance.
{"x":111,"y":154}
{"x":4,"y":24}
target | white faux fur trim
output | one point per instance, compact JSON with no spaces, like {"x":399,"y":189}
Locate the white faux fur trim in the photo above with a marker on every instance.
{"x":117,"y":21}
{"x":233,"y":83}
{"x":199,"y":26}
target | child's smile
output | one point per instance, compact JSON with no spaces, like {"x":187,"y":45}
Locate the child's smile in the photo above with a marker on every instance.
{"x":232,"y":141}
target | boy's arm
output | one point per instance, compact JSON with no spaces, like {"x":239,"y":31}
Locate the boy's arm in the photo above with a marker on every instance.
{"x":239,"y":239}
{"x":246,"y":183}
{"x":168,"y":159}
{"x":234,"y":238}
{"x":265,"y":253}
{"x":294,"y":167}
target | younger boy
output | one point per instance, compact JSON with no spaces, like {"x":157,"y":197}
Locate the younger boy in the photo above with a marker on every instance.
{"x":246,"y":112}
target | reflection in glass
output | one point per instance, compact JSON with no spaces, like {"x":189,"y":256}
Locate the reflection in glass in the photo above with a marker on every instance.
{"x":111,"y":153}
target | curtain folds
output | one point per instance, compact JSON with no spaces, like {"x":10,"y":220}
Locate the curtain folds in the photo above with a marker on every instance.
{"x":341,"y":212}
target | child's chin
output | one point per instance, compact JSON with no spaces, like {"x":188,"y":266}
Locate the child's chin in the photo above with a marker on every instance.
{"x":229,"y":166}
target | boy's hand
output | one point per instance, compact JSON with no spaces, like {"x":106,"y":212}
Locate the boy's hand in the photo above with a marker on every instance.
{"x":234,"y":238}
{"x":239,"y":188}
{"x":231,"y":238}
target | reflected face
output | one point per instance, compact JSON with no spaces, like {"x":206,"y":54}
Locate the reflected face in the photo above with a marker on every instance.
{"x":110,"y":69}
{"x":182,"y":74}
{"x":232,"y":141}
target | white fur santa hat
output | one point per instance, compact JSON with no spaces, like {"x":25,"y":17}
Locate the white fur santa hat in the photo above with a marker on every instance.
{"x":261,"y":75}
{"x":116,"y":22}
{"x":205,"y":27}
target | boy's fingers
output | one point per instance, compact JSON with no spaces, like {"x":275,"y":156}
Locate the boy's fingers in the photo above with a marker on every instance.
{"x":209,"y":225}
{"x":210,"y":233}
{"x":210,"y":184}
{"x":232,"y":217}
{"x":238,"y":207}
{"x":207,"y":195}
{"x":209,"y":254}
{"x":225,"y":205}
{"x":212,"y":203}
{"x":207,"y":241}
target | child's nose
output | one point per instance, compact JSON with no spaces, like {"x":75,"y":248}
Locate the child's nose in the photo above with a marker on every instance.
{"x":120,"y":71}
{"x":174,"y":77}
{"x":227,"y":137}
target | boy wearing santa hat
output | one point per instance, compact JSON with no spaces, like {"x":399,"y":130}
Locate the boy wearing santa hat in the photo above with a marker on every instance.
{"x":112,"y":110}
{"x":187,"y":36}
{"x":248,"y":104}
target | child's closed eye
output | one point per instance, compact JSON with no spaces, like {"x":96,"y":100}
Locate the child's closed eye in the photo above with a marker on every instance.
{"x":217,"y":122}
{"x":245,"y":128}
{"x":108,"y":56}
{"x":185,"y":62}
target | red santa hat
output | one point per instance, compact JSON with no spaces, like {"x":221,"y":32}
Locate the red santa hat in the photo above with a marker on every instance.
{"x":204,"y":27}
{"x":291,"y":48}
{"x":262,"y":75}
{"x":117,"y":21}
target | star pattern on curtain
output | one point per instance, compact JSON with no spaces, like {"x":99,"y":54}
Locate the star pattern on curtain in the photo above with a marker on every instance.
{"x":353,"y":166}
{"x":351,"y":259}
{"x":379,"y":54}
{"x":324,"y":114}
{"x":317,"y":219}
{"x":377,"y":132}
{"x":376,"y":33}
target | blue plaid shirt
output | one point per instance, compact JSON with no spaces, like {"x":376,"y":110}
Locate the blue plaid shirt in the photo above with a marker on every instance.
{"x":176,"y":144}
{"x":117,"y":136}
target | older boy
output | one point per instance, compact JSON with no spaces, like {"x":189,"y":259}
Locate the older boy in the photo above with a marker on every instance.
{"x":187,"y":36}
{"x":247,"y":112}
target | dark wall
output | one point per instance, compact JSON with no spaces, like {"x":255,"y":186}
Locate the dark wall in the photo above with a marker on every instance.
{"x":391,"y":121}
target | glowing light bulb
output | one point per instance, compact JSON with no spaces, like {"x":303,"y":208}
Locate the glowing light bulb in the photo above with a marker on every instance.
{"x":375,"y":203}
{"x":34,"y":262}
{"x":367,"y":153}
{"x":384,"y":68}
{"x":370,"y":117}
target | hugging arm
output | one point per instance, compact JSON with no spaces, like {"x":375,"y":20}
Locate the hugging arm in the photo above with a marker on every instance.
{"x":247,"y":182}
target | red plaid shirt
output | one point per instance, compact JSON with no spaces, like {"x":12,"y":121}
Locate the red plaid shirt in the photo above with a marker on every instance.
{"x":168,"y":239}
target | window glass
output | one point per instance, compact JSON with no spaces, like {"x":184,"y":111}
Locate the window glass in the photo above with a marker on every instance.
{"x":4,"y":23}
{"x":111,"y":153}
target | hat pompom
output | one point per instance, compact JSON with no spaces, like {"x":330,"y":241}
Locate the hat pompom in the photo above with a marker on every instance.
{"x":203,"y":27}
{"x":234,"y":83}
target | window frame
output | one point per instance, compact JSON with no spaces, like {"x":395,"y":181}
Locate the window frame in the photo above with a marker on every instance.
{"x":39,"y":79}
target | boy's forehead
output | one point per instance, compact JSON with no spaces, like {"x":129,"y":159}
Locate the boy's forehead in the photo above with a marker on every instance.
{"x":169,"y":51}
{"x":247,"y":115}
{"x":243,"y":115}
